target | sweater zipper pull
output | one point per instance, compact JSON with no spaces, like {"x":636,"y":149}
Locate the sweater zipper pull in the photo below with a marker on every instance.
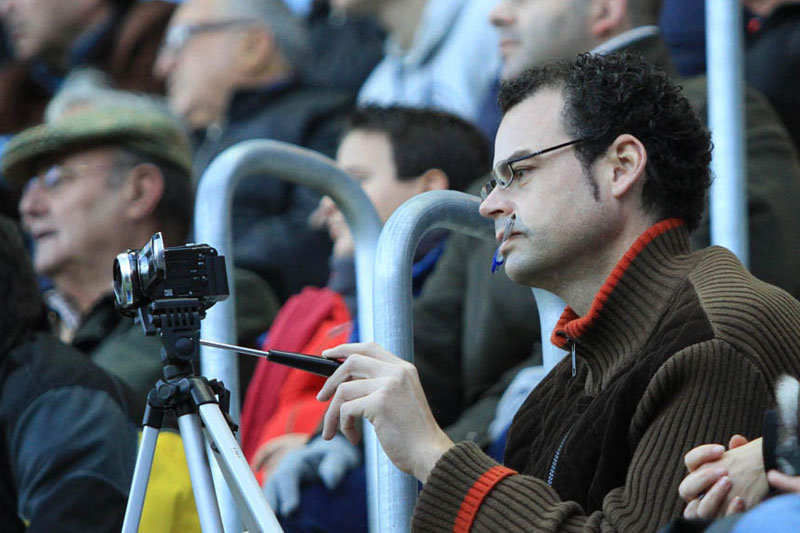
{"x":574,"y":365}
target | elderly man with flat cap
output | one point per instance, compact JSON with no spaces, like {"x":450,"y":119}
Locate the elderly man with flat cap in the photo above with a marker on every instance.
{"x":102,"y":175}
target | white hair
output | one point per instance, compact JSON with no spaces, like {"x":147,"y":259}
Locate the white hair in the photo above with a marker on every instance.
{"x":291,"y":33}
{"x":88,"y":87}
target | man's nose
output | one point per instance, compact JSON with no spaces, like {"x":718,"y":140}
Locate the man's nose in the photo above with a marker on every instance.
{"x":165,"y":62}
{"x":496,"y":205}
{"x":32,"y":202}
{"x":501,"y":15}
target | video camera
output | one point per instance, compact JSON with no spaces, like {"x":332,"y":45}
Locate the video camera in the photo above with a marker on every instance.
{"x":192,"y":271}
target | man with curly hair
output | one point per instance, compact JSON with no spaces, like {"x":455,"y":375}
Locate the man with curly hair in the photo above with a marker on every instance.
{"x":601,"y":170}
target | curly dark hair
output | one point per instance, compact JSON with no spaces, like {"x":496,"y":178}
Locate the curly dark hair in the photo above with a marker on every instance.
{"x":423,"y":139}
{"x":609,"y":95}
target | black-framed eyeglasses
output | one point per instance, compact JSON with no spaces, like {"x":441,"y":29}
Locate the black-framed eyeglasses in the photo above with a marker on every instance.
{"x":503,"y":171}
{"x":177,"y":36}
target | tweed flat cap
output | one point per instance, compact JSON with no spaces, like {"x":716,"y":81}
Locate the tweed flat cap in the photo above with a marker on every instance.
{"x":152,"y":133}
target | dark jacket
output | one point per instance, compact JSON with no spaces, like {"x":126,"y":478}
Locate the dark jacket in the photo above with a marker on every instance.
{"x":484,"y":326}
{"x":67,"y":440}
{"x":772,"y":63}
{"x":271,"y":235}
{"x":678,"y":349}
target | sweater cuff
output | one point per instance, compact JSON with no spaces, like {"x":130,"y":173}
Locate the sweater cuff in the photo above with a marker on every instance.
{"x":458,"y":483}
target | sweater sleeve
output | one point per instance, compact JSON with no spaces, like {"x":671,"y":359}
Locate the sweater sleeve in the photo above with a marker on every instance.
{"x":703,"y":393}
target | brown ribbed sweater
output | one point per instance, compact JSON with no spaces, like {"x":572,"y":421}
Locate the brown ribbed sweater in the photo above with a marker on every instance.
{"x":678,"y":349}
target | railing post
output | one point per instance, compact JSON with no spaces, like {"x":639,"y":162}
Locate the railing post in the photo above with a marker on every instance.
{"x":728,"y":202}
{"x":212,"y":225}
{"x":391,"y":493}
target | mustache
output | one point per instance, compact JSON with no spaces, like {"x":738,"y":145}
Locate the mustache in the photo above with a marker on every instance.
{"x":508,"y":225}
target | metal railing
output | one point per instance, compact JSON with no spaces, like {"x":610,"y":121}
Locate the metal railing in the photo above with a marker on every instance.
{"x":728,"y":199}
{"x":212,"y":225}
{"x":391,"y":494}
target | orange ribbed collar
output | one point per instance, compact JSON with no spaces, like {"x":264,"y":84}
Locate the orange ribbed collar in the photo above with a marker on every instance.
{"x":572,"y":326}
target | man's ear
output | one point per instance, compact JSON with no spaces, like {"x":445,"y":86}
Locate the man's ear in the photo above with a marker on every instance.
{"x":434,"y":179}
{"x":628,"y":160}
{"x":144,"y":187}
{"x":608,"y":18}
{"x":254,"y":49}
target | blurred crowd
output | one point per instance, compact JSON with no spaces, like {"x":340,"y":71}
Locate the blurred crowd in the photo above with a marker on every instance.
{"x":676,"y":357}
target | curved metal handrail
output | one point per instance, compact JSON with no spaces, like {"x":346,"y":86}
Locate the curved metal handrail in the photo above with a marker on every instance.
{"x":391,"y":493}
{"x":212,"y":225}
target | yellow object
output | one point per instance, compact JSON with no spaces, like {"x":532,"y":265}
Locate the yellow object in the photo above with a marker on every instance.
{"x":169,"y":503}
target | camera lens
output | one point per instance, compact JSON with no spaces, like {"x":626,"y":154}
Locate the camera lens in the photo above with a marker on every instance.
{"x":126,"y":285}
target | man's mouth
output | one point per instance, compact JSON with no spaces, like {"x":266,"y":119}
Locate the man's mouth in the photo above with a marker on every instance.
{"x":40,"y":235}
{"x":508,"y":231}
{"x":507,"y":45}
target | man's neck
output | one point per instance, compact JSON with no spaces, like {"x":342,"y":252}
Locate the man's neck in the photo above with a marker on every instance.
{"x":83,"y":291}
{"x":579,"y":285}
{"x":624,"y":39}
{"x":401,"y":18}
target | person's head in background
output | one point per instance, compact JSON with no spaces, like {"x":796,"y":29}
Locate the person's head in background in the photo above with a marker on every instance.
{"x":47,"y":29}
{"x":400,"y":18}
{"x":535,"y":32}
{"x":105,"y":172}
{"x":215,"y":47}
{"x":397,"y":152}
{"x":764,"y":8}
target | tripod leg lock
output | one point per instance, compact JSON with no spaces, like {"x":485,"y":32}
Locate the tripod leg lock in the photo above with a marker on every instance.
{"x":205,"y":391}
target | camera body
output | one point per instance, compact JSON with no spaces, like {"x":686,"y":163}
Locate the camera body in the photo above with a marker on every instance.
{"x":193,"y":271}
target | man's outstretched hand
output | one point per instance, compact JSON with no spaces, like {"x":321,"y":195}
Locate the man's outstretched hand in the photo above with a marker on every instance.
{"x":379,"y":386}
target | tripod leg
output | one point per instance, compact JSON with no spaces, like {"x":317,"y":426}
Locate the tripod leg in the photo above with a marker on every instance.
{"x":141,"y":476}
{"x":200,"y":473}
{"x":255,"y":511}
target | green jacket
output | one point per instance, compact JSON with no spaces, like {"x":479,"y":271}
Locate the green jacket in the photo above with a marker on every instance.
{"x":119,"y":345}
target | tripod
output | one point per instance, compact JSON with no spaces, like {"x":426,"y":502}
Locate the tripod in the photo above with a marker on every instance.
{"x":201,"y":407}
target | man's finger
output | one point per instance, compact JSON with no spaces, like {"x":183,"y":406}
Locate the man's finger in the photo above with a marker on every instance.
{"x":782,"y":482}
{"x":736,"y":505}
{"x":711,"y":504}
{"x":351,"y":414}
{"x":699,"y":482}
{"x":706,"y":453}
{"x":368,"y":349}
{"x":356,"y":367}
{"x":736,"y":441}
{"x":691,"y":509}
{"x":345,"y":392}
